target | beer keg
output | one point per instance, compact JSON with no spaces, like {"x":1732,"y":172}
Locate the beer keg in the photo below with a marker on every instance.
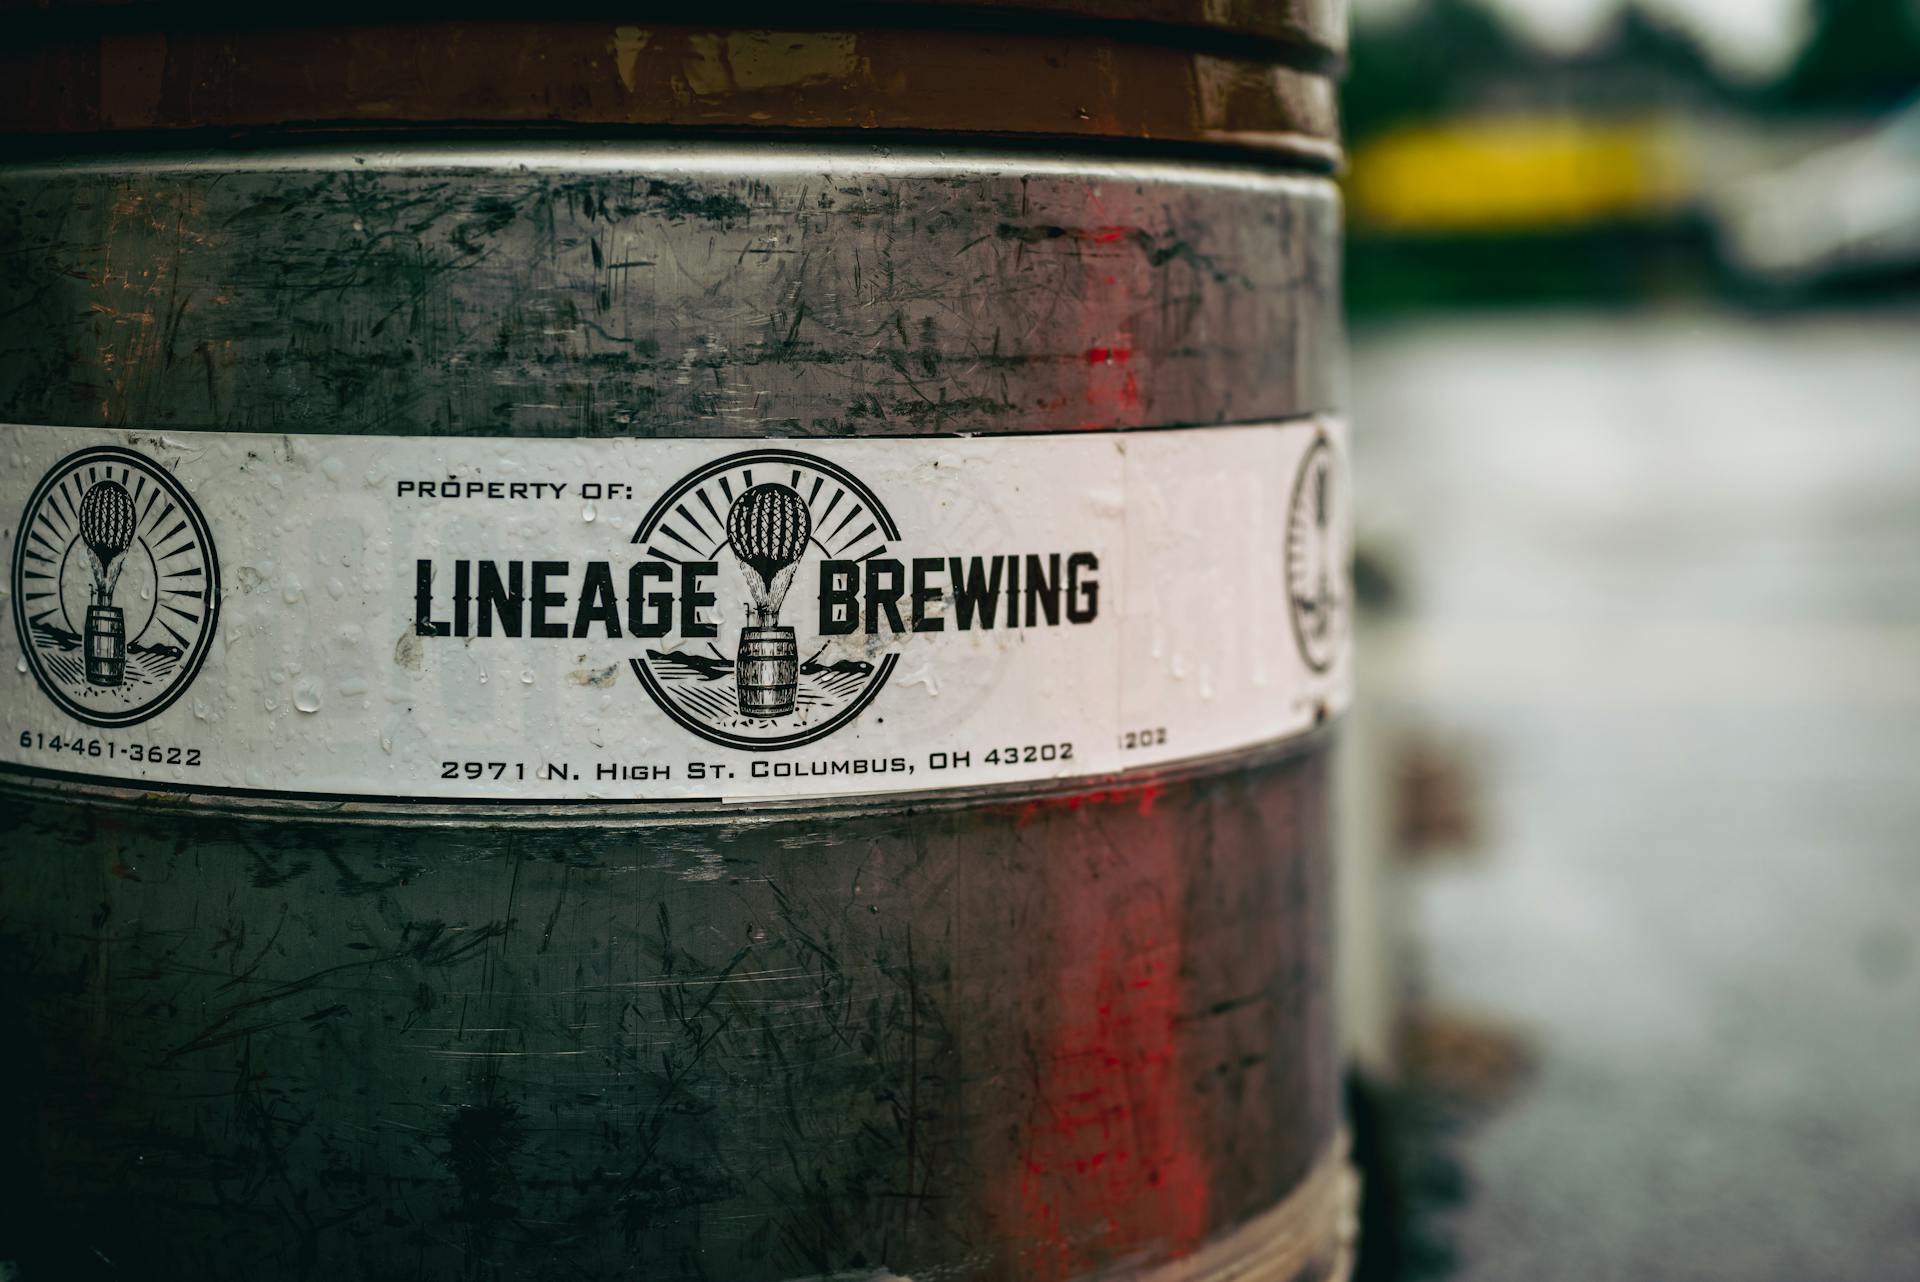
{"x":692,"y":645}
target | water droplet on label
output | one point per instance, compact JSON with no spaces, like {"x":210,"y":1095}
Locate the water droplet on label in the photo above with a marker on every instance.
{"x":483,"y":676}
{"x":291,"y":592}
{"x":526,"y":678}
{"x":353,"y":687}
{"x":307,"y":699}
{"x":588,"y":512}
{"x":21,"y":664}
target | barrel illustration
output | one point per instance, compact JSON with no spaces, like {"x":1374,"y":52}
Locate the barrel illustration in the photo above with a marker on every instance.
{"x":422,"y":943}
{"x":768,"y":528}
{"x":769,"y":671}
{"x":106,"y":645}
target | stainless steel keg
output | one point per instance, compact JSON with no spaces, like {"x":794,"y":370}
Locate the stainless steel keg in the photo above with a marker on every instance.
{"x":668,"y":650}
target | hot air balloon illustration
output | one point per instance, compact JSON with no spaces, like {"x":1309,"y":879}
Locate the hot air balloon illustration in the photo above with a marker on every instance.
{"x":768,"y":527}
{"x":106,"y":526}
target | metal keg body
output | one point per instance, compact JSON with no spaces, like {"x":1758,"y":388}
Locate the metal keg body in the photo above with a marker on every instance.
{"x":836,"y":1096}
{"x":948,"y":980}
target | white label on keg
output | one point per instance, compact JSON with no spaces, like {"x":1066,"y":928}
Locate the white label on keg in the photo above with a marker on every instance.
{"x":665,"y":620}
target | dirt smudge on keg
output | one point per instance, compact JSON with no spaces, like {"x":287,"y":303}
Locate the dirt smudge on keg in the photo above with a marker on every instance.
{"x":481,"y":1143}
{"x":595,"y":678}
{"x":682,"y":200}
{"x":1159,"y":251}
{"x":269,"y":872}
{"x":407,"y":651}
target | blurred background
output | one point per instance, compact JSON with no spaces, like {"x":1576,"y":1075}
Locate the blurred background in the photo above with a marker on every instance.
{"x":1632,"y":878}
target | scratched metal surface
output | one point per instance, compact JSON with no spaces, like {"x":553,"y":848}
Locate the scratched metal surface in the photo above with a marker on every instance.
{"x":655,"y":290}
{"x":1017,"y":1041}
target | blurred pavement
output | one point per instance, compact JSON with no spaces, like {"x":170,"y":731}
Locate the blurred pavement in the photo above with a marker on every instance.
{"x":1663,"y":577}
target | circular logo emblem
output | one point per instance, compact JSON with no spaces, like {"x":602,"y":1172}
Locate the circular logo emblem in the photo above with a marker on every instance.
{"x":116,"y":587}
{"x":743,"y":665}
{"x":1319,"y":556}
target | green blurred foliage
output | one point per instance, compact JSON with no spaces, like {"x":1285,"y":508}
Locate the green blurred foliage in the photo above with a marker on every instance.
{"x":1862,"y":54}
{"x":1451,"y":59}
{"x":1426,"y":65}
{"x":1446,"y":57}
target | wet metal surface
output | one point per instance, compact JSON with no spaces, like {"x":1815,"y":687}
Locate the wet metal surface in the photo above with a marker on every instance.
{"x":652,"y":291}
{"x":1665,"y":574}
{"x":1020,"y":1040}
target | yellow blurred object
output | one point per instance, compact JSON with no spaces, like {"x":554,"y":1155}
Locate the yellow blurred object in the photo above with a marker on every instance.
{"x":1512,"y":175}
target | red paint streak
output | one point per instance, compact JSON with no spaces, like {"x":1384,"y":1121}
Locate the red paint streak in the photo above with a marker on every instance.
{"x":1113,"y":289}
{"x":1143,"y":795}
{"x":1110,"y":1164}
{"x":1118,"y":396}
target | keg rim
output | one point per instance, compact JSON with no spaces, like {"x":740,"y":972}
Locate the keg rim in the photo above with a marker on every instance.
{"x":152,"y":75}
